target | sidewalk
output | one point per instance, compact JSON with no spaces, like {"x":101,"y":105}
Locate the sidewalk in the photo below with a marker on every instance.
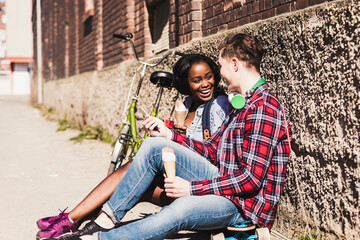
{"x":41,"y":171}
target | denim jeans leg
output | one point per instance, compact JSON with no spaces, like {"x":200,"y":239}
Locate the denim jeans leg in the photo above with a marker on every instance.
{"x":189,"y":165}
{"x":186,"y":213}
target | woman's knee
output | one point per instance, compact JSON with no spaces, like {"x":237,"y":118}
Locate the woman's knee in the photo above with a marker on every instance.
{"x":181,"y":207}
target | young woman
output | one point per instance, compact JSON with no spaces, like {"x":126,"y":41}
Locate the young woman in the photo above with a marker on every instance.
{"x":195,"y":75}
{"x":203,"y":78}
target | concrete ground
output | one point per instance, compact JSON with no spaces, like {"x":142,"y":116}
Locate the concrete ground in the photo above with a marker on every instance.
{"x":41,"y":171}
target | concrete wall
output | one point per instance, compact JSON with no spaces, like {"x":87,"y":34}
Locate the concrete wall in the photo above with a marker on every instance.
{"x":312,"y":64}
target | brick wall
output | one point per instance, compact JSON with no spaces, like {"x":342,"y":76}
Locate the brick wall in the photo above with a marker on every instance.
{"x":142,"y":30}
{"x":60,"y":40}
{"x":60,"y":46}
{"x":190,"y":18}
{"x":47,"y":39}
{"x":221,"y":15}
{"x":87,"y":40}
{"x":116,"y":18}
{"x":76,"y":40}
{"x":73,"y":37}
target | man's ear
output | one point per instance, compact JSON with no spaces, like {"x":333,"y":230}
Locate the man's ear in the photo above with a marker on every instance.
{"x":234,"y":64}
{"x":238,"y":63}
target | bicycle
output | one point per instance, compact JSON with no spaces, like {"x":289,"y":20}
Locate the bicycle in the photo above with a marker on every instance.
{"x":128,"y":142}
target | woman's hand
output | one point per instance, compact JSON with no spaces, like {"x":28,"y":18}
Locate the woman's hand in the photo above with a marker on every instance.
{"x":177,"y":187}
{"x":156,"y":128}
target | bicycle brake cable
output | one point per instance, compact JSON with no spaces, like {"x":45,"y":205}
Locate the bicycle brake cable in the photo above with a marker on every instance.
{"x":129,"y":94}
{"x":143,"y":64}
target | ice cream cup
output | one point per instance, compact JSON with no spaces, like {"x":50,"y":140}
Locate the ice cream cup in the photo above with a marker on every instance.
{"x":180,"y":113}
{"x":169,"y":161}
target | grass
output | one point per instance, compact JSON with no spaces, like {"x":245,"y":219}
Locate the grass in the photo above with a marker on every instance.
{"x":48,"y":113}
{"x":87,"y":132}
{"x":65,"y":123}
{"x":90,"y":132}
{"x":307,"y":236}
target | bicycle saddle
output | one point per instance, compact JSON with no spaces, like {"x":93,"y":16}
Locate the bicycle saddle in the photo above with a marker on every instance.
{"x":163,"y":79}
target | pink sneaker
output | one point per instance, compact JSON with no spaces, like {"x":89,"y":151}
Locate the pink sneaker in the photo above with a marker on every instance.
{"x":44,"y":223}
{"x":60,"y":227}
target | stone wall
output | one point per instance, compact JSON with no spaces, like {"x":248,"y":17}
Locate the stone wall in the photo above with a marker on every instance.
{"x":312,"y":64}
{"x":314,"y":67}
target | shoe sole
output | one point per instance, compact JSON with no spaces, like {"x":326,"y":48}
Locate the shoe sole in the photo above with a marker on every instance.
{"x":63,"y":235}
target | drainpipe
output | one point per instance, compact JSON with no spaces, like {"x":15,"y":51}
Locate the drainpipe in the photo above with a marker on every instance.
{"x":39,"y":52}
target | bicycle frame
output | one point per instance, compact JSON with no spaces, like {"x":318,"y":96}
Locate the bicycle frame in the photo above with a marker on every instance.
{"x":132,"y":141}
{"x":128,"y":142}
{"x":155,"y":110}
{"x":129,"y":136}
{"x":131,"y":120}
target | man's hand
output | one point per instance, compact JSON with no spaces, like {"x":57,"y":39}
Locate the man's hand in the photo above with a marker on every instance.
{"x":177,"y":187}
{"x":156,"y":128}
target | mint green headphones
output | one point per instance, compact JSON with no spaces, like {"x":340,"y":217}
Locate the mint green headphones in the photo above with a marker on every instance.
{"x":238,"y":101}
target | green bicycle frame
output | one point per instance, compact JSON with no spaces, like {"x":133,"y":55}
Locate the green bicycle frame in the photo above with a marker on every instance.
{"x":154,"y":113}
{"x":133,"y":130}
{"x":135,"y":144}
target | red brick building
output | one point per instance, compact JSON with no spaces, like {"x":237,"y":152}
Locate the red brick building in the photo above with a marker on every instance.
{"x":77,"y":34}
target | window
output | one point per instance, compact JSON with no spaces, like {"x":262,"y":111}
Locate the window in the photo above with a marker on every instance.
{"x":88,"y":26}
{"x":88,"y":16}
{"x":159,"y":12}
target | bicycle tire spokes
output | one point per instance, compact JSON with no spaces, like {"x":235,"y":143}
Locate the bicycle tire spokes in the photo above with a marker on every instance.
{"x":128,"y":153}
{"x":124,"y":157}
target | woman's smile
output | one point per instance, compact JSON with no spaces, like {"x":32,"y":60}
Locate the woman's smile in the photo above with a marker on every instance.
{"x":205,"y":93}
{"x":201,"y":82}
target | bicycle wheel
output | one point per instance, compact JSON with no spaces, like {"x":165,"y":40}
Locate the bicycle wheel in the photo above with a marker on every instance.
{"x":118,"y":150}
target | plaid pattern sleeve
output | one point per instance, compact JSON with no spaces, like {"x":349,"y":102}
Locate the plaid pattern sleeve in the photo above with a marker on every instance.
{"x":252,"y":159}
{"x":258,"y":146}
{"x":206,"y":149}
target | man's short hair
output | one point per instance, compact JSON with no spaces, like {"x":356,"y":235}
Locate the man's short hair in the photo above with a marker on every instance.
{"x":243,"y":46}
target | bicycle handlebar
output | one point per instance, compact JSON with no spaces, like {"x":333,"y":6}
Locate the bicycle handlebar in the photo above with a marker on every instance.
{"x":165,"y":56}
{"x":128,"y":36}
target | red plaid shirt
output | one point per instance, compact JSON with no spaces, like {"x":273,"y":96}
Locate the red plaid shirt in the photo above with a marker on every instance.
{"x":251,"y":149}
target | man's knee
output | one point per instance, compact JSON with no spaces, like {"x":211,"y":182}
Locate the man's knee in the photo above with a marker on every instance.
{"x":182,"y":207}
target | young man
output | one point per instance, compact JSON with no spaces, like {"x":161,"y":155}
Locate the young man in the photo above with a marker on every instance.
{"x":236,"y":175}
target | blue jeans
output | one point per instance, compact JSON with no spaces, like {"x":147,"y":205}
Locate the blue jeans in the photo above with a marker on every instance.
{"x":185,"y":213}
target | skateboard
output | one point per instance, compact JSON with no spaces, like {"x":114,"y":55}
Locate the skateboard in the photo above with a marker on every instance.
{"x":245,"y":231}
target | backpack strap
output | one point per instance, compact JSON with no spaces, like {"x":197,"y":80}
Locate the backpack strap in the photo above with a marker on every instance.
{"x":206,"y":119}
